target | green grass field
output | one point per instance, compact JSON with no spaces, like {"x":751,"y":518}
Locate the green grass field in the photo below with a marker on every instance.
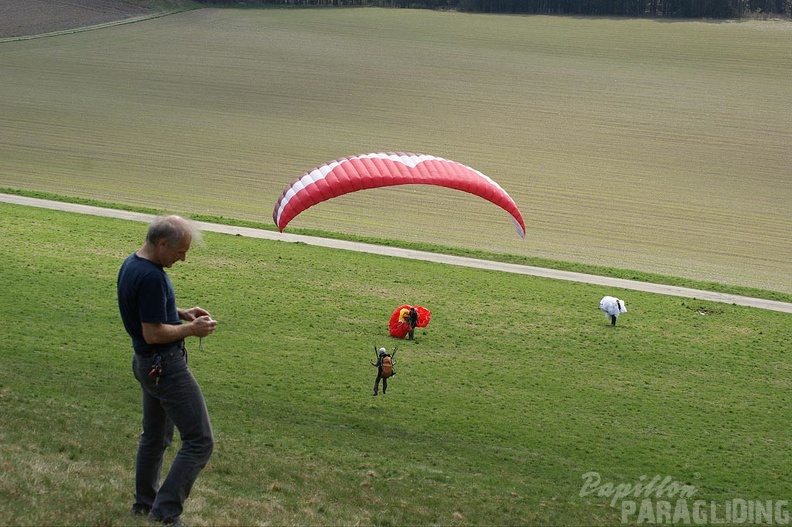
{"x":654,"y":146}
{"x":516,"y":389}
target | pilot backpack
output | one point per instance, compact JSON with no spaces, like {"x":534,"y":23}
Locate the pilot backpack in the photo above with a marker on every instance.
{"x":387,"y":366}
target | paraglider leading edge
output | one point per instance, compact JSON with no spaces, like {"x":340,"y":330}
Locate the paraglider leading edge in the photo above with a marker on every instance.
{"x":350,"y":174}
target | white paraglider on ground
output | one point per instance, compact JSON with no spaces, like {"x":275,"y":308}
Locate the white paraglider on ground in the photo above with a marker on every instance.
{"x":613,"y":307}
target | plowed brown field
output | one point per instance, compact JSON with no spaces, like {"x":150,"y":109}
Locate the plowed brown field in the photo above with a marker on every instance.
{"x":32,"y":17}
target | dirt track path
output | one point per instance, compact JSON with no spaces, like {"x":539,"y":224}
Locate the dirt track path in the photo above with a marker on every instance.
{"x":633,"y":285}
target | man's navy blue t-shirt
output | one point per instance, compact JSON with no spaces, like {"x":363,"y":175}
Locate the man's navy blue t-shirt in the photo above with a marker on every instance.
{"x":145,"y":294}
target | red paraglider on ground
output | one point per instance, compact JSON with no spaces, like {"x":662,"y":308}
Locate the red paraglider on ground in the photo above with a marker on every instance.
{"x":350,"y":174}
{"x":399,"y":325}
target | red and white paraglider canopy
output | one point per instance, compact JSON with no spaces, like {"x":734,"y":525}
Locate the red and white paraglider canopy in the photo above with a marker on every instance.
{"x":350,"y":174}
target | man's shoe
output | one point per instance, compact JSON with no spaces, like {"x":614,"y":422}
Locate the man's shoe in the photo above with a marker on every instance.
{"x":138,"y":509}
{"x":174,"y":521}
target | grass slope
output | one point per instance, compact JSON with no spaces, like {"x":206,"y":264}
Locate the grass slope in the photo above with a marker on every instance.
{"x":660,"y":147}
{"x":516,"y":389}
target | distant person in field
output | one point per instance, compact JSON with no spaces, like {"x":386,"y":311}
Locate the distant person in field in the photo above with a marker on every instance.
{"x":171,"y":395}
{"x":384,"y":367}
{"x":613,"y":307}
{"x":413,"y":321}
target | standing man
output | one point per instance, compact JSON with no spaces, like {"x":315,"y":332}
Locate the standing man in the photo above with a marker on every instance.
{"x":384,"y":367}
{"x":413,"y":322}
{"x":171,"y":395}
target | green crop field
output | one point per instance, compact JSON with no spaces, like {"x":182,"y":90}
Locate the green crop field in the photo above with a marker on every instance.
{"x":516,"y":390}
{"x":655,"y":146}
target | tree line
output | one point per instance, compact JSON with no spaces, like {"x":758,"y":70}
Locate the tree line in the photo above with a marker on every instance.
{"x":718,"y":9}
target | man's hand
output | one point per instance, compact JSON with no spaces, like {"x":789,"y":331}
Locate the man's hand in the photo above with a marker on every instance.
{"x":203,"y":326}
{"x":200,"y":324}
{"x":188,"y":315}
